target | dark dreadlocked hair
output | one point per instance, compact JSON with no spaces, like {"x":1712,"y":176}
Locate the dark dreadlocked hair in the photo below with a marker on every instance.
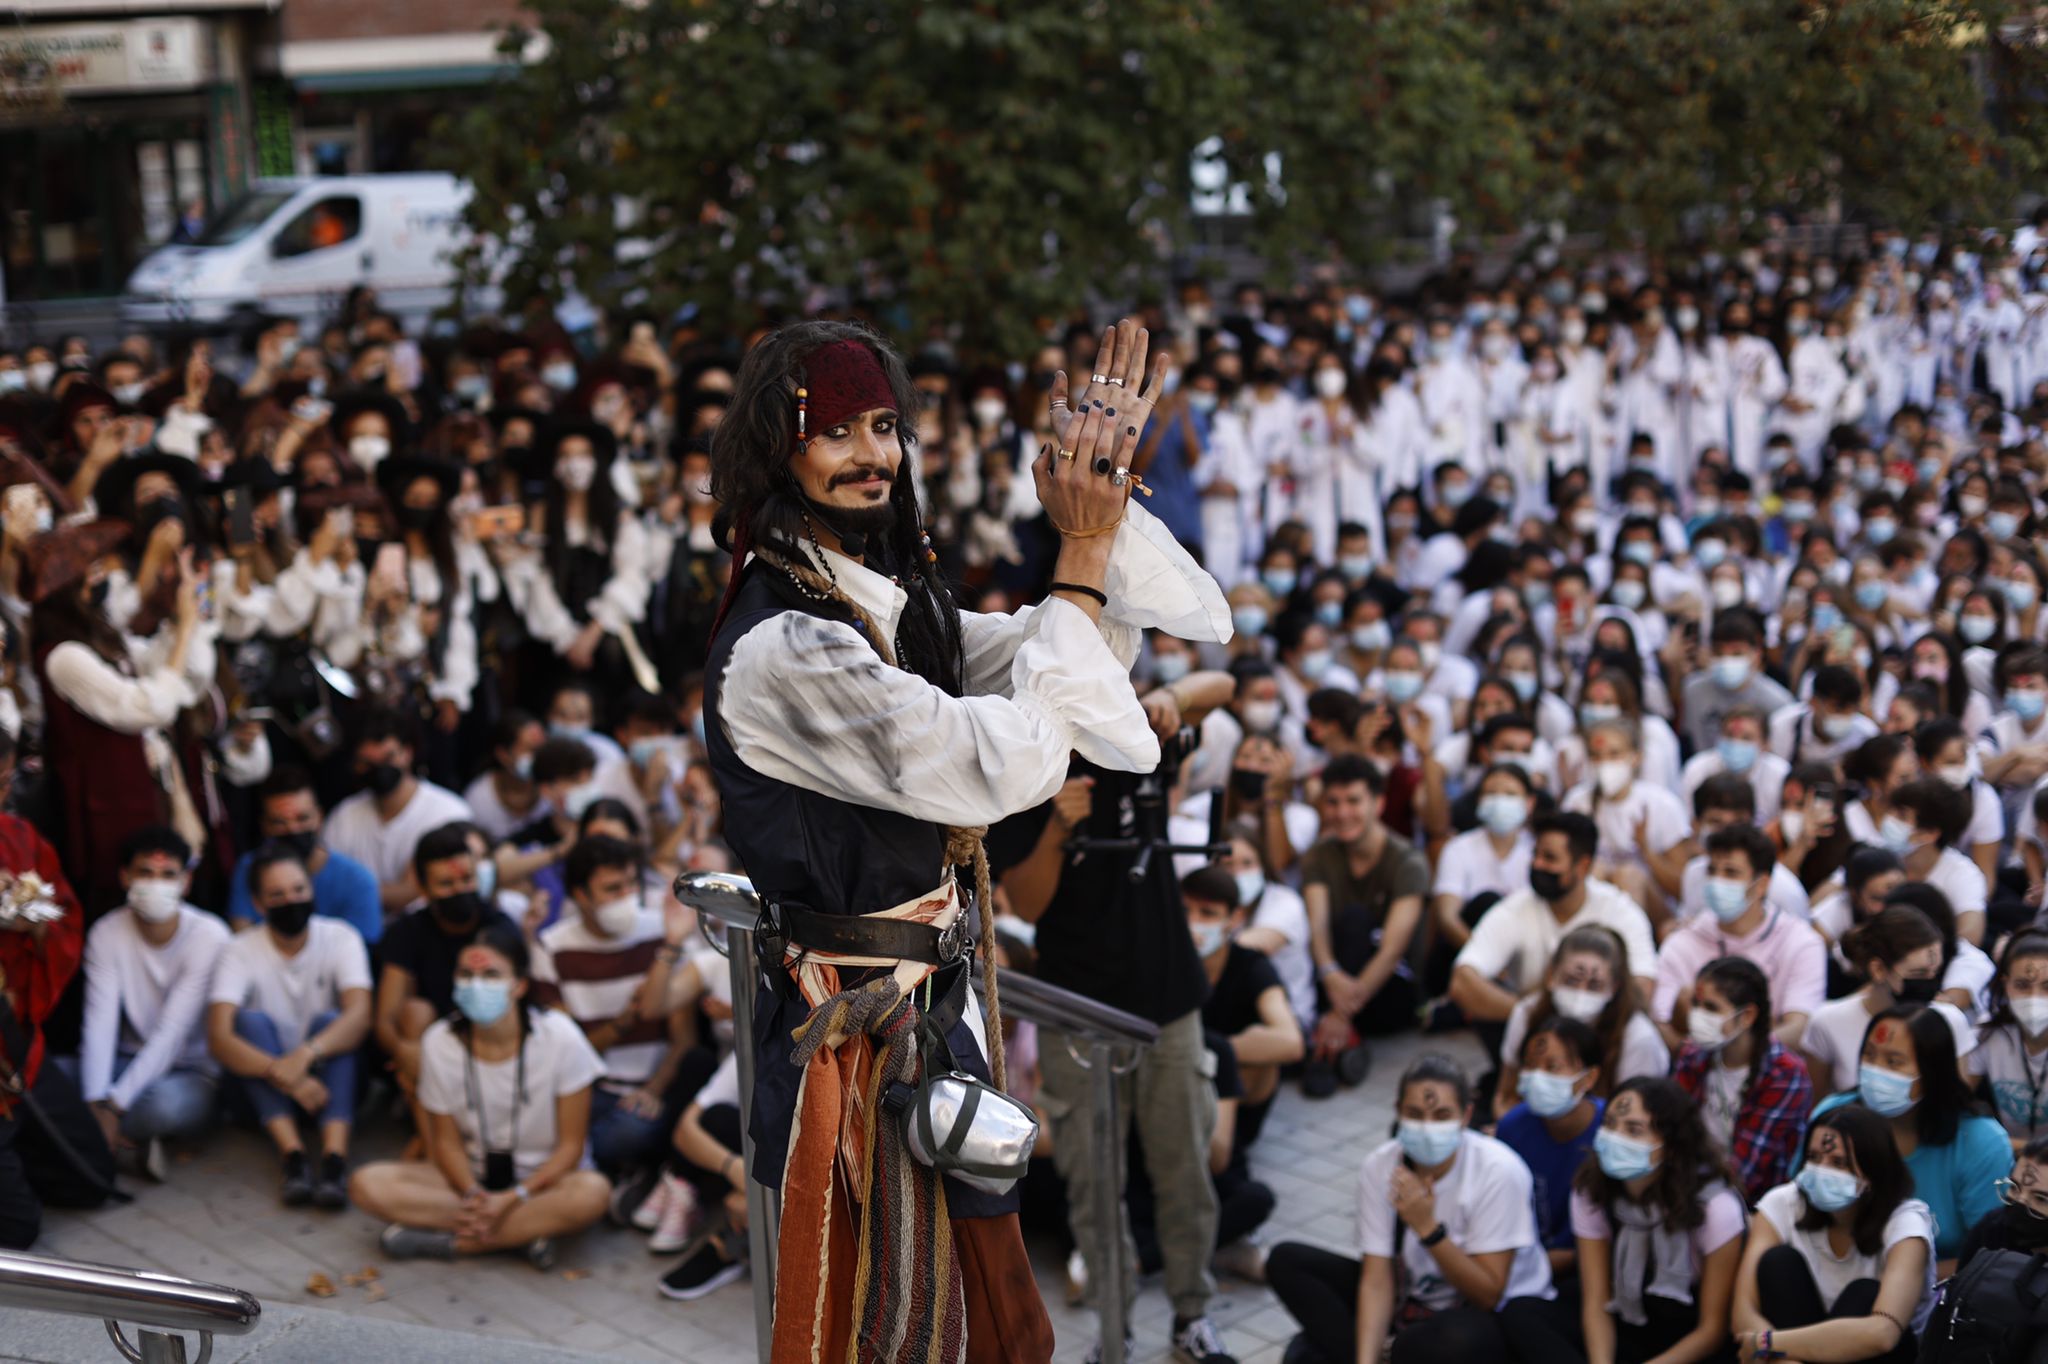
{"x":760,"y":503}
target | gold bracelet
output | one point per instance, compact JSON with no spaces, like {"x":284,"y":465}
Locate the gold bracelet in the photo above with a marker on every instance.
{"x":1087,"y":534}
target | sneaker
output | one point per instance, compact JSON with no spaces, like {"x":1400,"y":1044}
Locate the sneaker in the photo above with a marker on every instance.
{"x":1241,"y":1259}
{"x":678,"y":1200}
{"x":1318,"y":1079}
{"x":541,"y":1254}
{"x":1196,"y":1342}
{"x":1077,"y":1278}
{"x":1094,"y":1355}
{"x":331,"y":1191}
{"x":648,"y":1215}
{"x":705,"y":1272}
{"x":631,"y":1192}
{"x":298,"y":1180}
{"x":413,"y":1243}
{"x":1353,"y":1063}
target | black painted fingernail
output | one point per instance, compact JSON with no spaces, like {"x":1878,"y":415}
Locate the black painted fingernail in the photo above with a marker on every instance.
{"x":1102,"y":464}
{"x":1110,"y":410}
{"x":1130,"y":430}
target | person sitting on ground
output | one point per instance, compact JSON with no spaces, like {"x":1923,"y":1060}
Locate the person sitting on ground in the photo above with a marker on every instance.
{"x":2021,"y":1221}
{"x":532,"y":856}
{"x":1725,"y":802}
{"x":1552,"y":1128}
{"x":1658,"y":1222}
{"x":1589,"y":981}
{"x":1928,"y":818}
{"x":289,"y":1006}
{"x":142,"y":1059}
{"x":288,"y":810}
{"x":2008,"y":1051}
{"x":506,"y":1091}
{"x":1840,"y":1262}
{"x":1754,"y":1093}
{"x":381,"y":824}
{"x":1452,"y":1207}
{"x":1898,"y":951}
{"x":707,"y":1160}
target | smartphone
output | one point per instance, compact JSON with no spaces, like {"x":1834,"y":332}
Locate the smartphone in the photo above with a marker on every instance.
{"x":389,"y":572}
{"x":311,"y":410}
{"x":241,"y":505}
{"x":491,"y":522}
{"x":1823,"y":801}
{"x":343,"y":519}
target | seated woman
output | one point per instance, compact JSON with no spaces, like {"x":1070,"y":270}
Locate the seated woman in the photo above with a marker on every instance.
{"x":1552,"y":1128}
{"x":506,"y":1092}
{"x":1840,"y":1264}
{"x":1658,"y":1220}
{"x":1955,"y":1154}
{"x":1453,"y":1206}
{"x":1753,"y":1094}
{"x":706,"y":1171}
{"x":1589,"y":981}
{"x":2008,"y":1057}
{"x":1900,"y":953}
{"x":2020,"y":1222}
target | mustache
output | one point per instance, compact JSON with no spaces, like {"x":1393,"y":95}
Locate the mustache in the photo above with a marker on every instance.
{"x":880,"y":471}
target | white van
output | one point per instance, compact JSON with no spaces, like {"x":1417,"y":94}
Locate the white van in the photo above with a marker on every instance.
{"x":294,"y":248}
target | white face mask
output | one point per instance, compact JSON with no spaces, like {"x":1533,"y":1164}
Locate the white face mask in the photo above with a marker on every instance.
{"x":155,"y":900}
{"x":1330,"y":383}
{"x":2032,"y":1013}
{"x":989,"y":411}
{"x":1727,"y":593}
{"x":1584,"y":1005}
{"x":615,"y":918}
{"x":1709,"y":1030}
{"x":1613,"y":777}
{"x":41,"y":374}
{"x":577,"y":472}
{"x":1262,"y":717}
{"x":369,"y":451}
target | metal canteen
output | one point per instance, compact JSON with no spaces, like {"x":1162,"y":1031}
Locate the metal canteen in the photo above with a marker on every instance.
{"x":992,"y":1153}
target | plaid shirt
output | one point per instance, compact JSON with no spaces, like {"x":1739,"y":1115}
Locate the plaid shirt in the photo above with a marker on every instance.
{"x":1772,"y":1120}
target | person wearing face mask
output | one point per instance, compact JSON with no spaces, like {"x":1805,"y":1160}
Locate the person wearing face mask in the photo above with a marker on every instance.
{"x":1447,"y":1233}
{"x":1754,"y":378}
{"x":380,"y":825}
{"x":1490,"y":860}
{"x":563,"y":771}
{"x":288,"y":810}
{"x":1815,"y":379}
{"x":1828,"y":725}
{"x":1927,"y":817}
{"x":1278,"y":924}
{"x":1754,"y":1092}
{"x":1909,"y":1076}
{"x":1723,"y":802}
{"x":1587,"y":980}
{"x":506,"y":1089}
{"x":1258,"y":789}
{"x":1741,"y":920}
{"x":1840,"y":1262}
{"x":369,"y":426}
{"x":142,"y":1060}
{"x":2011,"y":1056}
{"x":1645,"y":835}
{"x":289,"y":1005}
{"x":2016,"y":745}
{"x":1551,"y":1126}
{"x":1733,"y":679}
{"x":2019,"y":1224}
{"x":582,"y":592}
{"x":1738,"y":751}
{"x":1657,"y":1224}
{"x":611,"y":939}
{"x":503,"y":797}
{"x":415,"y":985}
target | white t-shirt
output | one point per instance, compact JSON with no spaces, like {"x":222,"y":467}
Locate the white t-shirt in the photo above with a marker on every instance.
{"x":490,"y":813}
{"x":294,"y":990}
{"x":1642,"y":1047}
{"x":1514,"y":941}
{"x":1961,"y":880}
{"x":1783,"y":1206}
{"x":146,"y":1000}
{"x":1470,"y":866}
{"x":2019,"y":1080}
{"x":559,"y":1062}
{"x":1281,"y":909}
{"x":1483,"y":1202}
{"x":723,"y":1088}
{"x":1725,"y":1219}
{"x":356,"y":830}
{"x":1834,"y":1037}
{"x":1721,"y":1100}
{"x":1668,"y":820}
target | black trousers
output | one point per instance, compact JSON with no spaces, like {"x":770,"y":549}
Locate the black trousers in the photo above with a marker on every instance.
{"x":1550,"y":1331}
{"x":1788,"y":1297}
{"x":1354,"y":938}
{"x":1242,"y":1207}
{"x":1319,"y":1288}
{"x":34,"y":1172}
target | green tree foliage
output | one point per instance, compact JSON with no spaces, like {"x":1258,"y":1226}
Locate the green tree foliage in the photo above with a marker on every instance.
{"x":986,"y":166}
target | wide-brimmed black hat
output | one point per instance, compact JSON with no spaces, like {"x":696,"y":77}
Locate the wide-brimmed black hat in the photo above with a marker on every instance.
{"x":400,"y":472}
{"x":114,"y":494}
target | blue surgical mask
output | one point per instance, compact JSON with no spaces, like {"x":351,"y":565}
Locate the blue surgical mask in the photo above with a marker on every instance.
{"x":1593,"y":713}
{"x":1628,"y":594}
{"x":1372,"y":636}
{"x":1880,"y":530}
{"x":2003,"y":525}
{"x":1314,"y":663}
{"x":1430,"y":1143}
{"x":522,"y":767}
{"x":1896,"y":834}
{"x":1828,"y":1190}
{"x":642,"y":751}
{"x":1170,"y":668}
{"x":1826,"y":616}
{"x":1403,"y":687}
{"x":560,"y":730}
{"x":1798,"y":511}
{"x":1330,"y":614}
{"x":1503,"y":814}
{"x":1976,"y":629}
{"x":1209,"y":936}
{"x":1623,"y":1158}
{"x":487,"y":880}
{"x":1709,"y":552}
{"x":1355,"y":567}
{"x":1279,"y":581}
{"x":1640,"y":551}
{"x":483,"y":1002}
{"x":1548,"y":1096}
{"x":1885,"y":1092}
{"x":1737,"y":755}
{"x":1871,"y":595}
{"x":1249,"y":620}
{"x":1523,"y":683}
{"x":1456,"y":494}
{"x":1251,"y":885}
{"x":1731,"y":672}
{"x":2021,"y":595}
{"x":2026,"y":704}
{"x":580,"y":798}
{"x":1728,"y":898}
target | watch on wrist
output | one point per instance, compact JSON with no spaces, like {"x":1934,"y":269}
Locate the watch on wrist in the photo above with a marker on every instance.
{"x":1434,"y":1236}
{"x":519,"y":1192}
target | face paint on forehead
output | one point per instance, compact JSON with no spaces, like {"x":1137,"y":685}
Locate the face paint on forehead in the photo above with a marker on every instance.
{"x":1828,"y":1142}
{"x":1882,"y":1033}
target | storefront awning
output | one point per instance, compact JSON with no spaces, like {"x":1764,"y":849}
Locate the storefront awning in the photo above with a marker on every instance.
{"x":410,"y":62}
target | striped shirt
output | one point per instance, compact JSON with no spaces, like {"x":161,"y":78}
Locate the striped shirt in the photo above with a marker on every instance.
{"x":594,"y":978}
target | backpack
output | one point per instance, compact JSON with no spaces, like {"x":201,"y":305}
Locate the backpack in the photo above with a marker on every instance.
{"x":1993,"y":1311}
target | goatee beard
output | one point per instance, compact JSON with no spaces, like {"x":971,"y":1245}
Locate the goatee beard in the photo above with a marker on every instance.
{"x":856,"y":527}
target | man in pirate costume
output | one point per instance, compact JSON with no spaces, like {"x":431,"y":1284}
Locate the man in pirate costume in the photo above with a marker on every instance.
{"x":864,"y":732}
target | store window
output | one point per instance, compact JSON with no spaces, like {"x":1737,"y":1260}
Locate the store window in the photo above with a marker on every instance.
{"x":327,"y":222}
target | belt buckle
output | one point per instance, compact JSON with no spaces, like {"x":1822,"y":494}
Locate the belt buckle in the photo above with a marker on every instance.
{"x":952,"y":943}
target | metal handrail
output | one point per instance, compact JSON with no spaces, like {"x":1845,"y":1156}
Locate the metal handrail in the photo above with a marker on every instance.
{"x":155,"y":1304}
{"x":1108,"y":1035}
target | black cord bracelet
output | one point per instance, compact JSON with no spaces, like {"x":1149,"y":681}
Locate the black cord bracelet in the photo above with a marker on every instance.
{"x":1101,"y":598}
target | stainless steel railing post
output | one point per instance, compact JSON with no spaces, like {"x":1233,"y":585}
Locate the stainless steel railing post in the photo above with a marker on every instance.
{"x":1109,"y":1200}
{"x":764,"y":1205}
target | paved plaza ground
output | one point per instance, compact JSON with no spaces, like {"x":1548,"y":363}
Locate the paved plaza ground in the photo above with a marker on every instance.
{"x":218,"y":1219}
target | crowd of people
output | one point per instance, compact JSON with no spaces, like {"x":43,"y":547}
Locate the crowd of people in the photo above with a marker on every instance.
{"x":1641,"y":663}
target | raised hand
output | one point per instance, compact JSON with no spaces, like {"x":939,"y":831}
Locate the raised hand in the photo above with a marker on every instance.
{"x":1127,"y":390}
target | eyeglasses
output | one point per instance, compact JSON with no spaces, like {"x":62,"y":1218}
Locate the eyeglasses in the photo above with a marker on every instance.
{"x":2028,"y":1200}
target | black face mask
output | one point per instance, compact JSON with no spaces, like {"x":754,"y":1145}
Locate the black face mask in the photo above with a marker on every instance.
{"x":457,"y":913}
{"x":367,"y":547}
{"x":416,"y":518}
{"x":1548,"y":884}
{"x":1919,"y":990}
{"x":289,"y":920}
{"x":383,"y":778}
{"x":1266,"y":374}
{"x":1248,"y":785}
{"x":305,"y":843}
{"x":2025,"y":1229}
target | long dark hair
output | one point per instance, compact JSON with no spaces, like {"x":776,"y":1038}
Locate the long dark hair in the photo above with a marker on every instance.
{"x":1611,"y":1027}
{"x":65,"y":617}
{"x":1945,"y":1100}
{"x":1887,"y":1181}
{"x":2028,"y":942}
{"x":601,"y":505}
{"x":1691,"y":1161}
{"x":760,"y":502}
{"x":1743,"y":983}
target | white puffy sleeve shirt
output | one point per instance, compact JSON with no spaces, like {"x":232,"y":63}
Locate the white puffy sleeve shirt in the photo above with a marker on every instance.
{"x":808,"y":701}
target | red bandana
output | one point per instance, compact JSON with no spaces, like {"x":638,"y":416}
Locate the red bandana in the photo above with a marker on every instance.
{"x":844,"y":379}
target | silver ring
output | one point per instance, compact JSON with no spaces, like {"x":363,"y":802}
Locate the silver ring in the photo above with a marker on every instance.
{"x":1059,"y":402}
{"x":1098,"y":378}
{"x":1118,"y":382}
{"x":1120,"y":477}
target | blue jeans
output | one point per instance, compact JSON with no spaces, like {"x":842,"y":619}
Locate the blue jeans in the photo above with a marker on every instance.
{"x":178,"y":1103}
{"x":338,"y":1073}
{"x":622,"y":1141}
